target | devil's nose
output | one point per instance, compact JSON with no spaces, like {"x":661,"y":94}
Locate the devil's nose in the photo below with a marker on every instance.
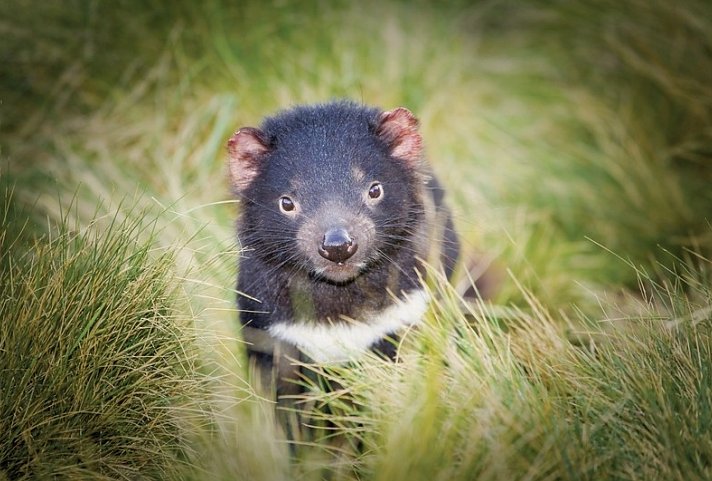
{"x":337,"y":245}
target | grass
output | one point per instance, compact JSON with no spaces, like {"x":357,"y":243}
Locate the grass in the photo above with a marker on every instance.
{"x":575,"y":144}
{"x":98,"y":377}
{"x":630,"y":400}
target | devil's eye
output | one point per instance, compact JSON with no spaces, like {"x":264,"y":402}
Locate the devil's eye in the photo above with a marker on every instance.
{"x":375,"y":191}
{"x":286,"y":204}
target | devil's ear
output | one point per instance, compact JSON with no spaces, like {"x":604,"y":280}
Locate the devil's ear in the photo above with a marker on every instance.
{"x":246,"y":149}
{"x":398,"y":128}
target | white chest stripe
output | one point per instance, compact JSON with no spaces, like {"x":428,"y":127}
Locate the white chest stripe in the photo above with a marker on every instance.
{"x":344,"y":340}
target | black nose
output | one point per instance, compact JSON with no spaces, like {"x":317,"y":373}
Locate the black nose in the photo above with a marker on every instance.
{"x":337,"y":245}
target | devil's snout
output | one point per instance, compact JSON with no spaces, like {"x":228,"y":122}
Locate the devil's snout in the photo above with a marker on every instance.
{"x":337,"y":245}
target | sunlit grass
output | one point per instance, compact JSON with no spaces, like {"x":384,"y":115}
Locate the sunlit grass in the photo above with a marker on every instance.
{"x":484,"y":397}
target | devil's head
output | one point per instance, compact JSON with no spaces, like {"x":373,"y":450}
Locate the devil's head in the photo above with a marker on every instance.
{"x":330,"y":190}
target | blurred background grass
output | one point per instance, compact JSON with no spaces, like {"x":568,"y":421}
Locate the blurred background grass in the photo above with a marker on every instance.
{"x":575,"y":141}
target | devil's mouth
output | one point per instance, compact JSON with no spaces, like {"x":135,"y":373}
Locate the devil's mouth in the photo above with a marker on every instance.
{"x":338,"y":273}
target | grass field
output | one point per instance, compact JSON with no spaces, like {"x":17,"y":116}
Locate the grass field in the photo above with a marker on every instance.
{"x":575,"y":140}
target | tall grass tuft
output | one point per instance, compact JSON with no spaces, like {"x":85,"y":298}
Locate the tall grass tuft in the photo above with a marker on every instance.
{"x":478,"y":396}
{"x":98,"y":373}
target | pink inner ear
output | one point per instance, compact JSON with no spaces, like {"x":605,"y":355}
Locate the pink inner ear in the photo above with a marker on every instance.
{"x":246,"y":148}
{"x":399,"y":129}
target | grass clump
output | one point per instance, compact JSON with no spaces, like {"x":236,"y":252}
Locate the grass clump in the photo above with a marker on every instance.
{"x":97,"y":370}
{"x":473,"y":399}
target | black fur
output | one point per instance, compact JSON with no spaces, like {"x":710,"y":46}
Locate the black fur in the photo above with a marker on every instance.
{"x":325,"y":158}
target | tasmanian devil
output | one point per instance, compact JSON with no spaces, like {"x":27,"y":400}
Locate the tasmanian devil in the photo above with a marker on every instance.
{"x":339,"y":209}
